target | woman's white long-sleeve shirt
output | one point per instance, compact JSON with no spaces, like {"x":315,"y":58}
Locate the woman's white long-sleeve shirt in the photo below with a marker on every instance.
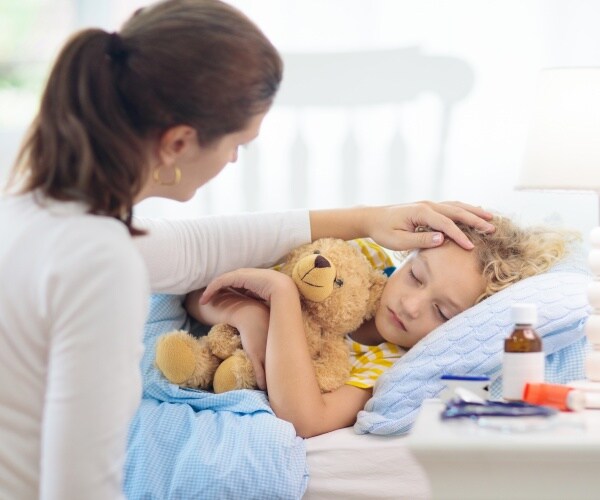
{"x":73,"y":300}
{"x":187,"y":254}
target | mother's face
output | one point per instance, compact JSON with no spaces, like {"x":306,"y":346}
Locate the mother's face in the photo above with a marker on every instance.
{"x":179,"y":148}
{"x":200,"y":164}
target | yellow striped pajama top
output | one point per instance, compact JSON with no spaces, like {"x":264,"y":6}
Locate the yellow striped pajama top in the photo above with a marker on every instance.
{"x":370,"y":361}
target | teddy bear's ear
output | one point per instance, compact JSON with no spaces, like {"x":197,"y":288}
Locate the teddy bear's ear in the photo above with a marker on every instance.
{"x":378,"y":281}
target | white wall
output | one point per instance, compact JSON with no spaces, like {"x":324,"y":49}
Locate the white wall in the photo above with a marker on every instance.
{"x":506,"y":43}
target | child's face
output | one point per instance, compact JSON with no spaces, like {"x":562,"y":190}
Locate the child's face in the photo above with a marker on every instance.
{"x":430,"y":287}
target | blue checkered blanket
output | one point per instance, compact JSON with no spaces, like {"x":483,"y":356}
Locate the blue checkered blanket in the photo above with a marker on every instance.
{"x":187,"y":444}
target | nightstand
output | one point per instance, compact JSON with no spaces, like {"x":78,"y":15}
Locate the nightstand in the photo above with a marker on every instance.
{"x":560,"y":460}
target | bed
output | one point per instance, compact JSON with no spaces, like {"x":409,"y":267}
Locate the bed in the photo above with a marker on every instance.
{"x":195,"y":444}
{"x":343,"y":464}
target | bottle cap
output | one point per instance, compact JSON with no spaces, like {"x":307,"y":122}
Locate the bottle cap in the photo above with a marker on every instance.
{"x":524,"y":314}
{"x":534,"y":393}
{"x":558,"y":396}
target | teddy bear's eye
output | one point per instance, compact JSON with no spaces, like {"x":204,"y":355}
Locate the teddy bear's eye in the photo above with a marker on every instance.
{"x":317,"y":252}
{"x":338,"y":281}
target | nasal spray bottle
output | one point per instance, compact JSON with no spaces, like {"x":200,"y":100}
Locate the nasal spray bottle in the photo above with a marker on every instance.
{"x":523,"y":360}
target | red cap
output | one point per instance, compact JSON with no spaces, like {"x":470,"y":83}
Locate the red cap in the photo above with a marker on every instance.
{"x":554,"y":395}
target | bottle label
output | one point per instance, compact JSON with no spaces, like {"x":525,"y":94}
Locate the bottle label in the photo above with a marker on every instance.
{"x":518,"y":368}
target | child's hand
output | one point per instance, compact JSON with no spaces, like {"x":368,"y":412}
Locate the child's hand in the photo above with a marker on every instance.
{"x":263,"y":283}
{"x":251,"y":318}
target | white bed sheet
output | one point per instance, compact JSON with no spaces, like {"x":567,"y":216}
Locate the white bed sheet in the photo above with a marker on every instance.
{"x":343,"y":464}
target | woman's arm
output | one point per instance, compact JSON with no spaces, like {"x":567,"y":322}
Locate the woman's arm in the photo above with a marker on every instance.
{"x":294,"y":393}
{"x":184,"y":255}
{"x":394,"y":226}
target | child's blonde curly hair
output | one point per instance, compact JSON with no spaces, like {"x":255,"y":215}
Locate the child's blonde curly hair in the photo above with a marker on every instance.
{"x":512,"y":253}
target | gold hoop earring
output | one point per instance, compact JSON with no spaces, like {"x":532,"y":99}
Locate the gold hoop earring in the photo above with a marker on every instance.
{"x":173,"y":182}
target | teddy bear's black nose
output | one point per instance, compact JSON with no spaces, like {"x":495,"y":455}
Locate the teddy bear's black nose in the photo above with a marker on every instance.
{"x":321,"y":261}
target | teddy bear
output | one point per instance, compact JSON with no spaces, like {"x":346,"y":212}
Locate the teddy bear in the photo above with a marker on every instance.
{"x":339,"y":290}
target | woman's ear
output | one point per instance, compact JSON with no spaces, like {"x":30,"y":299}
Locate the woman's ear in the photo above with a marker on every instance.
{"x":174,"y":142}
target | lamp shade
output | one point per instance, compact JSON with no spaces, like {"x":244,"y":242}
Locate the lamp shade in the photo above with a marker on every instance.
{"x":563,"y":148}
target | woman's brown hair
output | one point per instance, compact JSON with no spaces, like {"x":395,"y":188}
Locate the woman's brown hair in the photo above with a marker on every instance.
{"x":200,"y":63}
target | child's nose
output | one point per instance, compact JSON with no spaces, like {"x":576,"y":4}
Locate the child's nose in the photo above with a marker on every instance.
{"x":412,"y":306}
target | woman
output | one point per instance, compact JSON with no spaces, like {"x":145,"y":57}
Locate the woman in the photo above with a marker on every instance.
{"x":156,"y":110}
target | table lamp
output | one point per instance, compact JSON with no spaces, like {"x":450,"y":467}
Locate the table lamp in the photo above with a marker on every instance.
{"x":563,"y":153}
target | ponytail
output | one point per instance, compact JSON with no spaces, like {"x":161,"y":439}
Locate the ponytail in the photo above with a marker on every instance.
{"x":82,"y":124}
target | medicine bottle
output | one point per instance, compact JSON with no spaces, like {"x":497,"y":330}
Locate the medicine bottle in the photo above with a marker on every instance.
{"x":523,"y":359}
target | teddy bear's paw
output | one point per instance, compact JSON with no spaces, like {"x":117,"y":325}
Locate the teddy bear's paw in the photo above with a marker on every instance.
{"x":185,"y":360}
{"x":223,"y":340}
{"x":235,"y":372}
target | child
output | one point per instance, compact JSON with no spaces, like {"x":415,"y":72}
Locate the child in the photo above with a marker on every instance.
{"x":429,"y":288}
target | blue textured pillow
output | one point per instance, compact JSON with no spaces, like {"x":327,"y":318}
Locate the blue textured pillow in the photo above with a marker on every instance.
{"x":472,"y":343}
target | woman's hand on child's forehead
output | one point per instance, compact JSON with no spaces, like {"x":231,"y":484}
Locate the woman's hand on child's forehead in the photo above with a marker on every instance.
{"x":395,"y":227}
{"x":470,"y":215}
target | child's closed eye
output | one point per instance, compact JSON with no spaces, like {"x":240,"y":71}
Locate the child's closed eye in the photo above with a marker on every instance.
{"x":440,"y":314}
{"x":414,"y":277}
{"x":438,"y":311}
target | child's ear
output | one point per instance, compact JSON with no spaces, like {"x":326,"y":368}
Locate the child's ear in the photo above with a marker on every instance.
{"x":378,"y":281}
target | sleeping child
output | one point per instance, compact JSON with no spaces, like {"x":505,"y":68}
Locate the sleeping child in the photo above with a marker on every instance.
{"x":430,"y":287}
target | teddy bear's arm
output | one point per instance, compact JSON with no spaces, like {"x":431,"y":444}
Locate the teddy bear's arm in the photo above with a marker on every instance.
{"x":332,"y":367}
{"x":223,"y":340}
{"x":185,"y":360}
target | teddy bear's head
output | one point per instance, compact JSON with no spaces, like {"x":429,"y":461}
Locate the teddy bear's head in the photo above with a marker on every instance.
{"x":338,"y":286}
